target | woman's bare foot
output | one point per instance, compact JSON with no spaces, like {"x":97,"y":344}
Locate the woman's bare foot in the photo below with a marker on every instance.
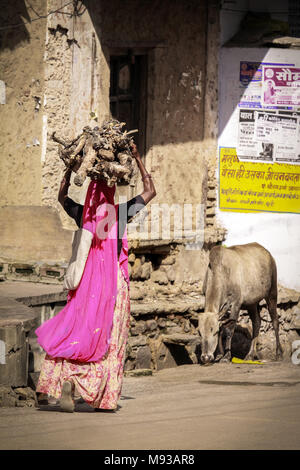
{"x":66,"y":400}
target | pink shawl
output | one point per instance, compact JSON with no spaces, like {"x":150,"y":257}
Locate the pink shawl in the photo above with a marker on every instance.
{"x":81,"y":330}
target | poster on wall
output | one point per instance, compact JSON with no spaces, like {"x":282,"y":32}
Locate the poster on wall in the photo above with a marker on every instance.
{"x":295,"y":156}
{"x":281,"y":86}
{"x":259,"y":143}
{"x":248,"y":147}
{"x":270,"y":131}
{"x":250,"y":84}
{"x":279,"y":136}
{"x":249,"y":186}
{"x":254,"y":90}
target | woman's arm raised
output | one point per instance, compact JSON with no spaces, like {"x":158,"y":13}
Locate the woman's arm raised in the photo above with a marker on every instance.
{"x":149,"y":191}
{"x":64,"y":186}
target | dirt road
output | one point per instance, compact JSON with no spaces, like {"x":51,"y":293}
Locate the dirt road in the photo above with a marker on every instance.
{"x":223,"y":406}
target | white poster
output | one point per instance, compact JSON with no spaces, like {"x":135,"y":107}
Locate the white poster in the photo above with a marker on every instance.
{"x":278,"y":134}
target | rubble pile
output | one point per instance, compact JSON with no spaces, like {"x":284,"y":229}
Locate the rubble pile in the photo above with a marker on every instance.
{"x":104,"y":153}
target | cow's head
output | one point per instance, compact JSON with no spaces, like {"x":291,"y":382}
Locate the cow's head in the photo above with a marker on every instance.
{"x":209,"y":325}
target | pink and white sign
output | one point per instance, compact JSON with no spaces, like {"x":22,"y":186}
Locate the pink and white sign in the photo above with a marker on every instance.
{"x":281,"y":86}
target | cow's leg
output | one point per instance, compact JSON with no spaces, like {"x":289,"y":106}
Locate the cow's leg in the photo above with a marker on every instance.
{"x":272,"y":306}
{"x":256,"y":321}
{"x":220,"y":350}
{"x":229,"y":330}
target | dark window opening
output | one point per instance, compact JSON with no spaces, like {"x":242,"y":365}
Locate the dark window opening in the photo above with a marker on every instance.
{"x":128,"y":94}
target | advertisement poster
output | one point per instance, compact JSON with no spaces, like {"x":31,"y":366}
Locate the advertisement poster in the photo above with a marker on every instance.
{"x":294,"y":158}
{"x":250,"y":148}
{"x":278,"y":135}
{"x":281,"y":86}
{"x":252,"y":85}
{"x":249,"y":186}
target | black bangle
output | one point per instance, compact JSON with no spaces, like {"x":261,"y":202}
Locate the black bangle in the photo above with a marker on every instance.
{"x":146,"y":176}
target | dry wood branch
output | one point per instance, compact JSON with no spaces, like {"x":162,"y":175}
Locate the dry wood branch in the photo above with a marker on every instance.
{"x":105,"y":153}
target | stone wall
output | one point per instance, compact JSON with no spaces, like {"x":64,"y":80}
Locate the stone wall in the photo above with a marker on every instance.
{"x":163,"y":333}
{"x":163,"y":325}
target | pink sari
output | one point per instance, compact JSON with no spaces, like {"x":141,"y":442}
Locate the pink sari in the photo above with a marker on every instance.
{"x":81,"y":331}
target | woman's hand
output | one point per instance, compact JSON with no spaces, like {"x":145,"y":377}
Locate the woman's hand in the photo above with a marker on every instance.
{"x":134,"y":151}
{"x":149,"y":189}
{"x":64,"y":186}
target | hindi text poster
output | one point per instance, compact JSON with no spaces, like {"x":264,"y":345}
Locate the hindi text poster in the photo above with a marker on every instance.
{"x":251,"y":186}
{"x":281,"y":86}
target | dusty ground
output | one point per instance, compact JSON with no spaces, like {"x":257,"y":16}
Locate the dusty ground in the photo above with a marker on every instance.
{"x":224,"y":406}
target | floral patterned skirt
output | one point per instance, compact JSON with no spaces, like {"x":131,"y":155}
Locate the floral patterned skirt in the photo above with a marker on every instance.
{"x":98,"y":383}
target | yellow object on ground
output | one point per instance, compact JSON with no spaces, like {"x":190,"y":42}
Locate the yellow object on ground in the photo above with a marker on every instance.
{"x":236,"y":360}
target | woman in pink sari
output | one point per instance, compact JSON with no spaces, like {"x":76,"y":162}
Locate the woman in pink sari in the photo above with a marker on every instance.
{"x":85,"y":342}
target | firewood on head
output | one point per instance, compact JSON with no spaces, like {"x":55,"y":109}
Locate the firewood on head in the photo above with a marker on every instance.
{"x":88,"y":161}
{"x":103,"y":153}
{"x":124,"y":158}
{"x":106,"y":155}
{"x":79,"y":147}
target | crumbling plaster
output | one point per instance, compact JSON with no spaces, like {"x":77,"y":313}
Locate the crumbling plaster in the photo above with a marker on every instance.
{"x":77,"y":83}
{"x":22,"y":71}
{"x":71,"y":54}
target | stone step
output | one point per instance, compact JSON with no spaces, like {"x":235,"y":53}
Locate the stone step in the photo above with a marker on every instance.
{"x":181,"y":339}
{"x":166,"y":307}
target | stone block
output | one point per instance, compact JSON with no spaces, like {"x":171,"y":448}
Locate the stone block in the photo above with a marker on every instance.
{"x":131,"y":258}
{"x":167,"y":260}
{"x":136,"y":269}
{"x":162,"y":322}
{"x":52,"y":272}
{"x":136,"y":294}
{"x":143,"y":358}
{"x":163,"y":358}
{"x":138,"y":329}
{"x":170,"y":272}
{"x":160,"y":277}
{"x":151,"y":325}
{"x":14,"y":357}
{"x":16,"y":320}
{"x":212,"y":194}
{"x":25,"y":397}
{"x":8,"y":398}
{"x":146,"y":271}
{"x":137,"y":341}
{"x":295,"y":320}
{"x":22,"y":271}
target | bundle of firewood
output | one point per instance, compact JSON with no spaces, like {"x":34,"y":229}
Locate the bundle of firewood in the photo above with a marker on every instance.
{"x":104,"y":153}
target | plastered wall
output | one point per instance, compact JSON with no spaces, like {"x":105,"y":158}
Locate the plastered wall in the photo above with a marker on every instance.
{"x":278,"y":232}
{"x":22,"y":74}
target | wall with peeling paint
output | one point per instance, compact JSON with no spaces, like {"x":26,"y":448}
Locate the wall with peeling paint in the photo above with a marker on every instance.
{"x":22,"y":72}
{"x":71,"y":54}
{"x":176,"y":143}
